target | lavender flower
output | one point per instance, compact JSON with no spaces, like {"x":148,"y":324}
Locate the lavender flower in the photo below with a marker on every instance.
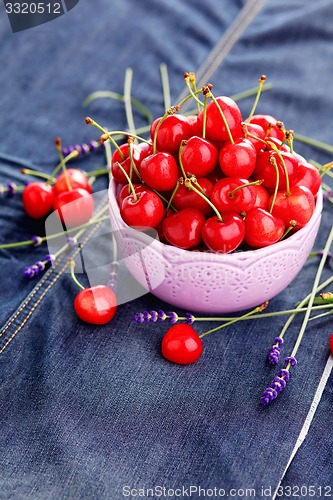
{"x":37,"y":240}
{"x":274,"y":389}
{"x":173,"y":317}
{"x":275,"y":351}
{"x":190,"y":319}
{"x":82,"y":149}
{"x":39,"y":266}
{"x":138,"y":318}
{"x":11,"y":189}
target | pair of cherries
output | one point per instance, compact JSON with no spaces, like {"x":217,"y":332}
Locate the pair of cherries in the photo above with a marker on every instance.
{"x":70,"y":196}
{"x":238,"y":186}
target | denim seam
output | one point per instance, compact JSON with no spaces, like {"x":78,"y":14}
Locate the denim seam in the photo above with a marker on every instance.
{"x":227,"y":41}
{"x":31,"y":296}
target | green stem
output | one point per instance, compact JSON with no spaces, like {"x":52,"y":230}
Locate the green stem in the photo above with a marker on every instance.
{"x":232,"y":321}
{"x":128,"y":100}
{"x":312,"y":295}
{"x":189,"y":185}
{"x":97,"y":172}
{"x":63,"y":164}
{"x":165,"y":86}
{"x":253,"y":183}
{"x":262,"y":80}
{"x":67,"y":158}
{"x":223,"y":117}
{"x":74,"y":278}
{"x":36,"y":173}
{"x":250,"y":92}
{"x":100,"y":94}
{"x":135,"y":196}
{"x":204,"y":121}
{"x":90,"y":121}
{"x":278,"y":152}
{"x":274,"y":164}
{"x":314,"y":143}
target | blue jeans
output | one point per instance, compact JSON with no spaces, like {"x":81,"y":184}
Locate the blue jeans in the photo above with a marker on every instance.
{"x":96,"y":412}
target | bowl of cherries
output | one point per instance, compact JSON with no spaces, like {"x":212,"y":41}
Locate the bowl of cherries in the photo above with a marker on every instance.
{"x":215,"y":213}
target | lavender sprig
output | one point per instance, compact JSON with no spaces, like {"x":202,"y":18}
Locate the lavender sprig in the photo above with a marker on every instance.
{"x":278,"y":384}
{"x":275,"y":351}
{"x":83,"y":149}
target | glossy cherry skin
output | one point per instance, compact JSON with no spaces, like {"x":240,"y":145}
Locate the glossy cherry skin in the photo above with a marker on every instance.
{"x":183,"y":229}
{"x":76,"y":178}
{"x":38,"y":199}
{"x":199,"y":156}
{"x":96,"y":305}
{"x":309,"y":176}
{"x":186,"y":197}
{"x":238,"y":159}
{"x":215,"y":128}
{"x":257,"y":131}
{"x":126,"y":191}
{"x":223,"y":236}
{"x":137,"y":155}
{"x":182,"y":345}
{"x":159,"y":171}
{"x":193,"y":119}
{"x":146,"y":211}
{"x":298,"y":206}
{"x":264,"y":121}
{"x":262,"y":228}
{"x":331,"y":343}
{"x":172,"y":131}
{"x":265,"y":170}
{"x":262,"y":197}
{"x":241,"y":201}
{"x":74,"y":207}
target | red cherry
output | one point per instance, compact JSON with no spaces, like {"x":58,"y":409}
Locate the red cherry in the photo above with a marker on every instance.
{"x":238,"y":159}
{"x":265,"y":121}
{"x":172,"y":131}
{"x":223,"y":236}
{"x":241,"y":201}
{"x":279,"y":144}
{"x":145,"y":211}
{"x":137,"y":155}
{"x":215,"y":128}
{"x":159,"y":171}
{"x":76,"y":178}
{"x":126,"y":191}
{"x":193,"y":119}
{"x":199,"y":156}
{"x":309,"y":176}
{"x":262,"y":228}
{"x":183,"y":229}
{"x":266,"y":171}
{"x":331,"y":344}
{"x":299,"y":205}
{"x":257,"y":131}
{"x":186,"y":197}
{"x":96,"y":305}
{"x":262,"y":197}
{"x":74,"y":207}
{"x":38,"y":198}
{"x":181,"y":344}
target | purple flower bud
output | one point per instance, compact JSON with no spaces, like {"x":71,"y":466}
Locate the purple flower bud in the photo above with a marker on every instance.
{"x":138,"y":318}
{"x":190,"y":319}
{"x":291,"y":360}
{"x":274,"y":355}
{"x":71,"y":241}
{"x":161,"y":316}
{"x":11,"y":189}
{"x":153,"y":316}
{"x":173,"y":317}
{"x":274,"y":389}
{"x":37,"y":240}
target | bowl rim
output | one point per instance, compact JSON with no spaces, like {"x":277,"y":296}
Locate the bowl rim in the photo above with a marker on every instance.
{"x":246,"y":254}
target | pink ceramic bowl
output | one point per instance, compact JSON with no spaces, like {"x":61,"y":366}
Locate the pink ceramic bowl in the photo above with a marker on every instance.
{"x":210,"y":283}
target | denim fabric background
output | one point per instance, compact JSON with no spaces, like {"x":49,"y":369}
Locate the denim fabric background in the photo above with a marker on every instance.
{"x":87,"y":410}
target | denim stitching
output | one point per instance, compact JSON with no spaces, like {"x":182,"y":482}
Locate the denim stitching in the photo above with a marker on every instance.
{"x":41,"y":297}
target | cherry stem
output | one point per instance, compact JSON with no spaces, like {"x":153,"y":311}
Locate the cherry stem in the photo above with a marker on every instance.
{"x":313,"y":142}
{"x":37,"y":173}
{"x":204,"y":121}
{"x":278,"y":152}
{"x":189,"y":185}
{"x":272,"y":161}
{"x":181,"y":147}
{"x":42,"y":239}
{"x":135,"y":197}
{"x":234,"y":320}
{"x":67,"y":158}
{"x":253,"y":183}
{"x":128,"y":99}
{"x":223,"y":117}
{"x":293,"y":224}
{"x":132,"y":164}
{"x":170,"y":111}
{"x":172,"y":196}
{"x":74,"y":278}
{"x":312,"y":294}
{"x":97,"y":172}
{"x":63,"y":164}
{"x":106,"y":135}
{"x":192,"y":88}
{"x":261,"y":80}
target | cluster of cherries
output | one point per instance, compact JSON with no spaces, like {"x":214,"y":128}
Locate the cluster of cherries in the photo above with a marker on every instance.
{"x":70,"y":197}
{"x":213,"y":181}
